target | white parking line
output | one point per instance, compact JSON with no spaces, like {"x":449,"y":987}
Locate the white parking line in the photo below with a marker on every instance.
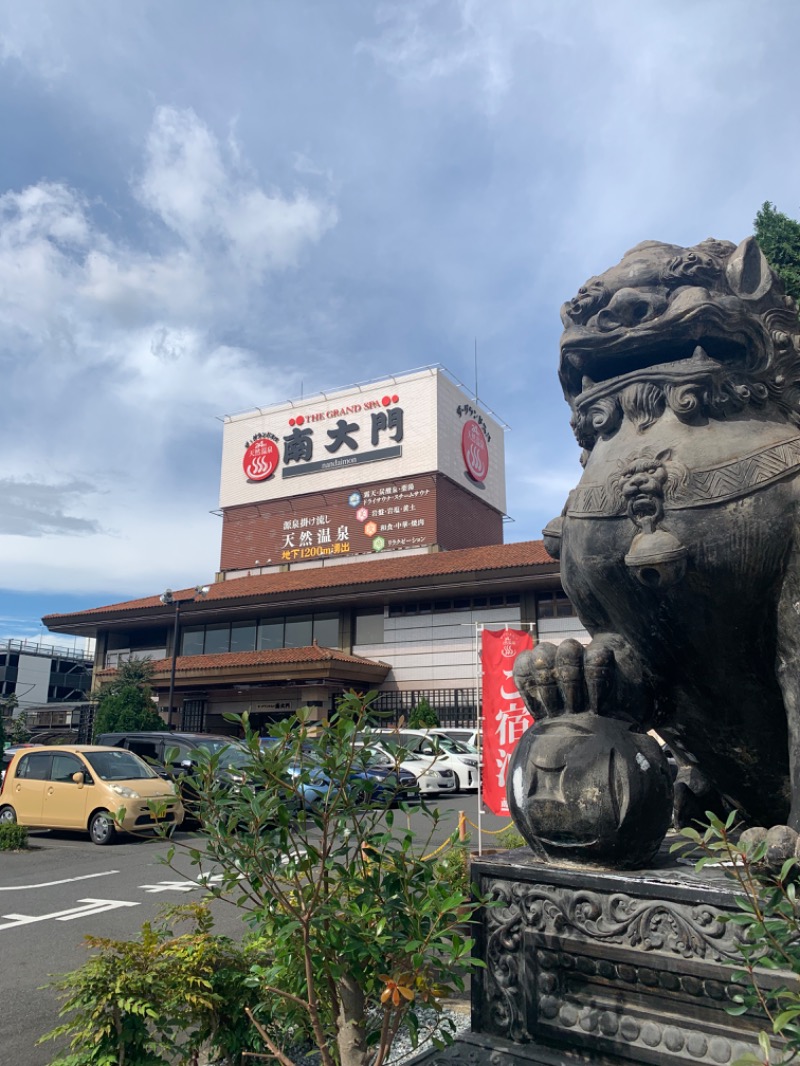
{"x":203,"y":881}
{"x":91,"y":906}
{"x":49,"y":884}
{"x":171,"y":886}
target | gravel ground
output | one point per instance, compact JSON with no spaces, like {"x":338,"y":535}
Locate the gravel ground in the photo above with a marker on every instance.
{"x":402,"y":1052}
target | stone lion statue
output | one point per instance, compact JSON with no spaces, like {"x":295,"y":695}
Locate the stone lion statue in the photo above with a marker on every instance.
{"x":680,"y":546}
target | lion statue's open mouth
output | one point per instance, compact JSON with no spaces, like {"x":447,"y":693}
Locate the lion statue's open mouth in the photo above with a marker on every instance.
{"x":708,"y":328}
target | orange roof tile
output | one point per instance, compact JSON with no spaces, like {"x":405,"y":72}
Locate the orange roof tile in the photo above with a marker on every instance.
{"x":526,"y":553}
{"x":273,"y":657}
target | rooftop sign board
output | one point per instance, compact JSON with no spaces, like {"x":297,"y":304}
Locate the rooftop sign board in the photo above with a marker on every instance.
{"x":390,"y":430}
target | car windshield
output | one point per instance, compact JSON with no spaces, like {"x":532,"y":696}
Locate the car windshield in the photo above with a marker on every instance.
{"x":377,"y":757}
{"x":455,"y":747}
{"x":404,"y":754}
{"x":217,"y":744}
{"x":234,"y":756}
{"x":118,"y":765}
{"x":231,"y":753}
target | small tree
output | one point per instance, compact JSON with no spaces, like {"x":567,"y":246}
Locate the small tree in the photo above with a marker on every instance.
{"x":125,"y":704}
{"x":364,"y":929}
{"x":423,"y":716}
{"x":18,"y":731}
{"x":778,"y":237}
{"x":7,"y":705}
{"x":354,"y":928}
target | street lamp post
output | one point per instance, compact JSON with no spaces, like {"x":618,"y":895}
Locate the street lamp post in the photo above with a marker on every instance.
{"x":168,"y":598}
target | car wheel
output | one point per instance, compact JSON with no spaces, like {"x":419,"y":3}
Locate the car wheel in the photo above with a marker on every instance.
{"x":8,"y":816}
{"x":101,"y":828}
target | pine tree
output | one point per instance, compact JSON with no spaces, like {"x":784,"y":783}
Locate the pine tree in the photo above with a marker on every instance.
{"x":778,"y":237}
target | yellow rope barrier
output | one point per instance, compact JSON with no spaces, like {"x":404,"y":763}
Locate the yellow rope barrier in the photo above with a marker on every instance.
{"x":490,"y":832}
{"x":446,"y":844}
{"x":466,"y":821}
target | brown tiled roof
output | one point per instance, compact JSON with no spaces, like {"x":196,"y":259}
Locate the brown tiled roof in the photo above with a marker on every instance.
{"x":387,"y":569}
{"x":276,"y":657}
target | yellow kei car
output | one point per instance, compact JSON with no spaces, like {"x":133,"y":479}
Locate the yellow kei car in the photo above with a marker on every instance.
{"x":97,"y":790}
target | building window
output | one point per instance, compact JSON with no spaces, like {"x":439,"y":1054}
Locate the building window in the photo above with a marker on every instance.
{"x":476,"y":603}
{"x":266,"y":634}
{"x":218,"y":639}
{"x":369,"y":627}
{"x":192,"y":640}
{"x":554,"y":605}
{"x":243,"y":636}
{"x":326,"y":630}
{"x":270,"y":634}
{"x":298,"y":632}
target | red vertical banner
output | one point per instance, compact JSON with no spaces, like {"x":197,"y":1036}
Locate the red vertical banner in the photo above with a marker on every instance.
{"x":505,"y":717}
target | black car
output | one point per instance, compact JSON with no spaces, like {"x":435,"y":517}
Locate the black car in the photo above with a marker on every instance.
{"x":175,"y":755}
{"x":153,"y":747}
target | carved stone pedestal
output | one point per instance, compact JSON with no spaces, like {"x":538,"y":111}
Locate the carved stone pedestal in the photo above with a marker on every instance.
{"x":603,"y":967}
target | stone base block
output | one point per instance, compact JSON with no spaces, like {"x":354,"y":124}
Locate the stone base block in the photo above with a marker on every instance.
{"x":604,"y":967}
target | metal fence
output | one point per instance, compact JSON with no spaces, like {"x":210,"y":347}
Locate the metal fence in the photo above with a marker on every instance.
{"x":455,"y":707}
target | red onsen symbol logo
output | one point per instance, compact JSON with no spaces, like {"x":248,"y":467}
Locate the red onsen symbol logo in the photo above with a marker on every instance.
{"x":260,"y":460}
{"x":475,"y":450}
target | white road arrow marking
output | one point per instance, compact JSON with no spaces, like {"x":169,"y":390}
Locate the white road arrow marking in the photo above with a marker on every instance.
{"x":91,"y":906}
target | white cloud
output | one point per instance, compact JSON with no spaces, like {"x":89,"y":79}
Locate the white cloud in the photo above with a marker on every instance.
{"x":28,"y":35}
{"x":155,"y":551}
{"x":122,"y":357}
{"x":187,"y":184}
{"x":421,"y":41}
{"x":160,"y":265}
{"x":32,"y":508}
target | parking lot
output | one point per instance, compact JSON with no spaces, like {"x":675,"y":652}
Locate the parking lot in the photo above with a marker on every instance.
{"x":65,"y":887}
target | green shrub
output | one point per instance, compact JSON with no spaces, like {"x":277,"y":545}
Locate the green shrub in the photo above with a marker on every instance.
{"x":453,"y":867}
{"x":157,"y":1000}
{"x":13,"y":837}
{"x":423,"y":716}
{"x":511,"y":838}
{"x":769,"y":918}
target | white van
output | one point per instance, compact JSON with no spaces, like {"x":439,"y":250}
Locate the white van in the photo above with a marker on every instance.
{"x":442,"y":751}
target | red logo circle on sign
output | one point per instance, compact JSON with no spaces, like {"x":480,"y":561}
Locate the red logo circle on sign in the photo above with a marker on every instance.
{"x":260,"y":460}
{"x":475,"y":451}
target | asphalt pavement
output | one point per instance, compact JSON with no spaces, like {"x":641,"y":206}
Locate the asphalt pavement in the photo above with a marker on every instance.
{"x":65,"y":887}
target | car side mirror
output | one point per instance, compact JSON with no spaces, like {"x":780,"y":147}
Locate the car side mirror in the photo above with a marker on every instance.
{"x":187,"y":764}
{"x":79,"y":778}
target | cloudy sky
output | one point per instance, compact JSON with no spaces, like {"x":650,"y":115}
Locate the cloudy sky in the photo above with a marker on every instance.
{"x":207,"y":207}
